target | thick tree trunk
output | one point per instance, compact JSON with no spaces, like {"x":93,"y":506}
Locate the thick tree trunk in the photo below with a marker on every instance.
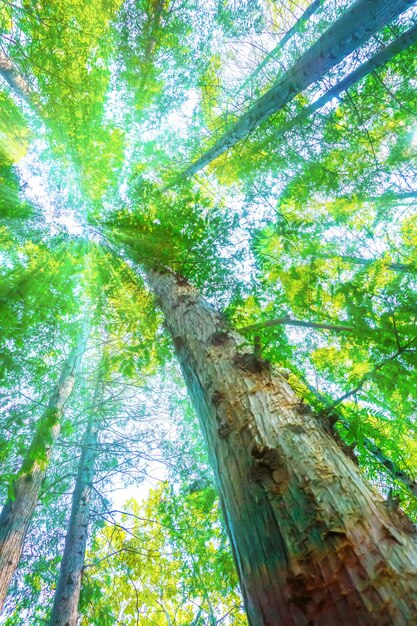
{"x":349,"y":32}
{"x":67,"y":595}
{"x":313,"y":542}
{"x":20,"y":505}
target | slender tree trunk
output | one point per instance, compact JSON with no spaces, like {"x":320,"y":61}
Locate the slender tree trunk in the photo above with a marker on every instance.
{"x":379,"y":59}
{"x":309,"y":12}
{"x":15,"y":81}
{"x":390,"y":196}
{"x":154,"y":27}
{"x":20,"y":505}
{"x":348,"y":33}
{"x":67,"y":595}
{"x":313,"y":542}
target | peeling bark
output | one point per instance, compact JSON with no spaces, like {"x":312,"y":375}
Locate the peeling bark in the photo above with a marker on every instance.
{"x":313,"y":542}
{"x":21,"y":503}
{"x":67,"y":595}
{"x":347,"y":34}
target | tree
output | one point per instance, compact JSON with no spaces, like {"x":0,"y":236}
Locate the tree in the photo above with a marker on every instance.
{"x":24,"y":491}
{"x":362,"y":19}
{"x":260,"y":439}
{"x":65,"y":608}
{"x":319,"y":528}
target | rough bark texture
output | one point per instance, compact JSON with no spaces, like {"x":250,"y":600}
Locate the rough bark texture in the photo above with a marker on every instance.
{"x":313,"y":542}
{"x":67,"y":595}
{"x":349,"y":32}
{"x":20,"y":505}
{"x":409,"y":483}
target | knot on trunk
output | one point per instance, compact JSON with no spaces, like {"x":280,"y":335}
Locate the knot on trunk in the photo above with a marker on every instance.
{"x":269,"y":464}
{"x":398,"y":517}
{"x":181,"y":280}
{"x":249,"y":363}
{"x":217,"y":397}
{"x":178,"y":343}
{"x":328,"y":420}
{"x":219,"y":339}
{"x":224,"y":431}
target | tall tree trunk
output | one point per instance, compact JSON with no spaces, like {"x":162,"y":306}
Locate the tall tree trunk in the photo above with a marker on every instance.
{"x":20,"y":505}
{"x":67,"y":595}
{"x":304,"y":17}
{"x":313,"y":542}
{"x":15,"y":81}
{"x":386,"y":54}
{"x":349,"y":32}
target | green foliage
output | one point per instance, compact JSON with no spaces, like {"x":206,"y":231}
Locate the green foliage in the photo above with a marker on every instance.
{"x":124,"y":95}
{"x":66,"y":47}
{"x":182,"y":229}
{"x":241,"y":16}
{"x":173,"y":552}
{"x":14,"y":135}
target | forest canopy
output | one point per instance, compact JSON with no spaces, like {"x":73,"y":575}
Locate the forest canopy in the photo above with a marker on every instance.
{"x":208,"y":312}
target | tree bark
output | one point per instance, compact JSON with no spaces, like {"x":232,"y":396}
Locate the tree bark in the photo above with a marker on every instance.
{"x":313,"y":542}
{"x":24,"y":494}
{"x":349,"y":32}
{"x":399,"y":474}
{"x":67,"y":595}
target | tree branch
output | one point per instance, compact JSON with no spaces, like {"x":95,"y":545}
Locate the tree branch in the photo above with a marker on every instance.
{"x":369,"y":375}
{"x":288,"y":321}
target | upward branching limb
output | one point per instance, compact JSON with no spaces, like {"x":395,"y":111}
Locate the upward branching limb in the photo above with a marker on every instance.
{"x":288,"y":321}
{"x":369,"y":375}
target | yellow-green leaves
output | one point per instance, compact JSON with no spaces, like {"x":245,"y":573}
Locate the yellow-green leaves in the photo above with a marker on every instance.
{"x":173,"y":551}
{"x":14,"y":133}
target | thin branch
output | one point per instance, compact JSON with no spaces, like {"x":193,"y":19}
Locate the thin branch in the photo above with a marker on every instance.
{"x":311,"y":9}
{"x":288,"y":321}
{"x":367,"y":376}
